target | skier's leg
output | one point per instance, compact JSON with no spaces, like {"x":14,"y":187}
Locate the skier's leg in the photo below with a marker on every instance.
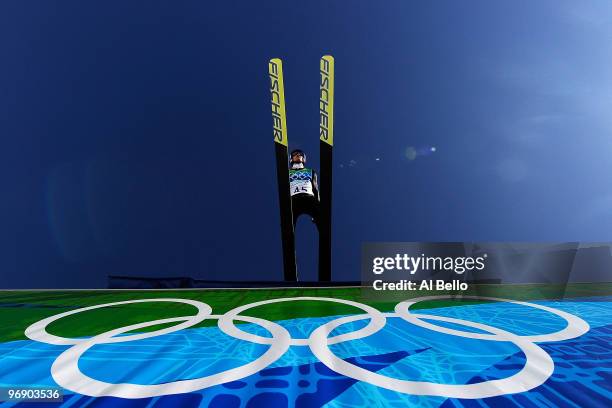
{"x":315,"y":213}
{"x":297,"y":204}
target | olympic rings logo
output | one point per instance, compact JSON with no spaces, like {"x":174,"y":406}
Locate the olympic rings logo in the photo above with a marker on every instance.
{"x":538,"y":366}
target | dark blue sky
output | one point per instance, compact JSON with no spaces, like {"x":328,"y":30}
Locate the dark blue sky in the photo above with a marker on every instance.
{"x":136,"y":137}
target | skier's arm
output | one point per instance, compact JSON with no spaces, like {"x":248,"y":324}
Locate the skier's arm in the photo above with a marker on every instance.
{"x":315,"y":185}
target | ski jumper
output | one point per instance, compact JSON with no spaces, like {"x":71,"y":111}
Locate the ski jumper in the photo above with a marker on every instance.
{"x":304,"y":189}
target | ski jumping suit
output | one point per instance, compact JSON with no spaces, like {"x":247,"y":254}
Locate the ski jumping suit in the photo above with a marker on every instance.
{"x":304,"y":192}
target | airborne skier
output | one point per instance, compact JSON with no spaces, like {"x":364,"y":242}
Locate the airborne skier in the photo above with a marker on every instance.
{"x":298,"y":188}
{"x":304,"y":188}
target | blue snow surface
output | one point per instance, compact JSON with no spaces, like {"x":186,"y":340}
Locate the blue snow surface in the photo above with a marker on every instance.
{"x":582,"y":376}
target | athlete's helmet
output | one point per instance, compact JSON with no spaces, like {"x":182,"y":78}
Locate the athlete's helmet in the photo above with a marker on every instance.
{"x":297,"y":152}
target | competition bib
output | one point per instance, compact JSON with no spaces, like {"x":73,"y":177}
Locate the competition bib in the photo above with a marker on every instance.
{"x":300,"y":181}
